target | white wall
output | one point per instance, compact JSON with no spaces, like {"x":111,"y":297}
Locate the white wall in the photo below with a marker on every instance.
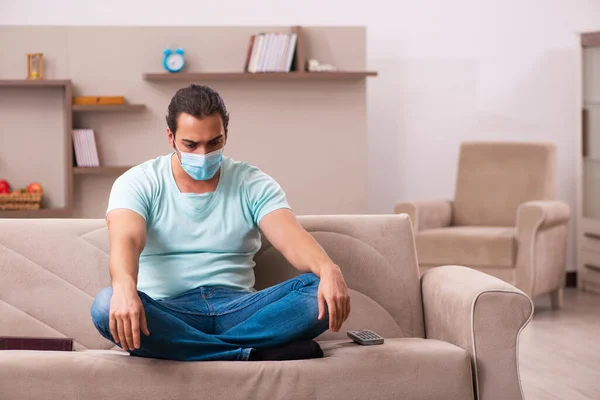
{"x":449,"y":71}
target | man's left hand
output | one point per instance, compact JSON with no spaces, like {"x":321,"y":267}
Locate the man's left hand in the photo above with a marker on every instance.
{"x":333,"y":292}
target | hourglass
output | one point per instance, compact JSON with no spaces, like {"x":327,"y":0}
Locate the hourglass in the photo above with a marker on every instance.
{"x":35,"y":66}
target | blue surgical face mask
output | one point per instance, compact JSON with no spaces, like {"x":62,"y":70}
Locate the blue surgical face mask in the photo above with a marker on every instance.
{"x":201,"y":167}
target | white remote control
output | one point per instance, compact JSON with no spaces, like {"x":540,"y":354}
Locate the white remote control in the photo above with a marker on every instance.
{"x":365,"y":337}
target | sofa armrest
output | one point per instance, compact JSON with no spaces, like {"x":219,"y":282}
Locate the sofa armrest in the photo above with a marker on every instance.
{"x":542,"y":232}
{"x":427,"y":214}
{"x":482,"y":315}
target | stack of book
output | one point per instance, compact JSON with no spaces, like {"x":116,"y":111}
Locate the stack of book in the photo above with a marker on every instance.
{"x":271,"y":52}
{"x":84,"y":143}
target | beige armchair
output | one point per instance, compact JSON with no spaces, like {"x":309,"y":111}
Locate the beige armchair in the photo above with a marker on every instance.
{"x":503,"y":221}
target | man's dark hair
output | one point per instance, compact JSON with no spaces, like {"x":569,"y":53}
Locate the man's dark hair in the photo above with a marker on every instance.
{"x":196,"y":100}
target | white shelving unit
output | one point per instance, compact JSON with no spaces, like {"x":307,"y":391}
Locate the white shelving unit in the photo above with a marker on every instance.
{"x":588,"y":215}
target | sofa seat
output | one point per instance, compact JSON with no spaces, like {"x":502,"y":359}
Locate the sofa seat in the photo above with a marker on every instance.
{"x":407,"y":368}
{"x":472,"y":246}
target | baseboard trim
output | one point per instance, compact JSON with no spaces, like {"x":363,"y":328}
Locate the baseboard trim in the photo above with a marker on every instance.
{"x":571,"y":279}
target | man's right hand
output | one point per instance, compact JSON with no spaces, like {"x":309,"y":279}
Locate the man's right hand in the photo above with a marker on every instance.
{"x":127,"y":317}
{"x":127,"y":234}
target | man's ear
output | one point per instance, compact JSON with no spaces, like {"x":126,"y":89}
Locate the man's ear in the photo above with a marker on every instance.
{"x":171,"y":137}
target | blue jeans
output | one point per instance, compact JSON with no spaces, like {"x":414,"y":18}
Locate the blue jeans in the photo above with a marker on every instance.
{"x":216,"y":323}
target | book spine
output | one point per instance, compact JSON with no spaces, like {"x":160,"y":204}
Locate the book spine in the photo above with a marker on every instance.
{"x":272,"y":44}
{"x":268,"y":53}
{"x":291,"y":51}
{"x":87,"y":154}
{"x":283,"y":56}
{"x":249,"y":52}
{"x":256,"y":55}
{"x":81,"y":148}
{"x":277,"y":53}
{"x":94,"y":150}
{"x":263,"y":53}
{"x":282,"y":39}
{"x":76,"y":147}
{"x":35,"y":343}
{"x":273,"y":51}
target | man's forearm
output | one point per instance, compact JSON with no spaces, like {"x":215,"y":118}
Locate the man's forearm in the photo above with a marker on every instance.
{"x":298,"y":246}
{"x":124,"y":264}
{"x":307,"y":255}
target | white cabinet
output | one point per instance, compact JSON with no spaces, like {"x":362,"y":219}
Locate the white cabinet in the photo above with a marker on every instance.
{"x":588,"y":240}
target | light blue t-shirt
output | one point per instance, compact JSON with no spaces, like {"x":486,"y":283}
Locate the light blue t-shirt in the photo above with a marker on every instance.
{"x":197,"y":240}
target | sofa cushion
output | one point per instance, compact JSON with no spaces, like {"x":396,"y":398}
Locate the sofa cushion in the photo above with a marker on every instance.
{"x":471,"y":246}
{"x":407,"y":368}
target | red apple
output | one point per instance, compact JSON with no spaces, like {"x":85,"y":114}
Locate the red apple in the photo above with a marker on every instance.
{"x":35,"y":188}
{"x":4,"y":186}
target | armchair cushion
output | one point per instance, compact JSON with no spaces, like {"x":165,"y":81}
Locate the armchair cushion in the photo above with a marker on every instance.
{"x":494,"y":178}
{"x":473,"y":246}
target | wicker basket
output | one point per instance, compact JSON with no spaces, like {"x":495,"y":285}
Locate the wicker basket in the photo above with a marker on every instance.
{"x":20,"y":201}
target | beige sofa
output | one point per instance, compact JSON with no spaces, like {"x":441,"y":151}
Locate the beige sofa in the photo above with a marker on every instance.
{"x":504,"y":219}
{"x":449,"y":334}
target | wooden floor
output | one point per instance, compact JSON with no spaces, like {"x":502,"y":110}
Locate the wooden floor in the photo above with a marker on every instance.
{"x":560,"y":350}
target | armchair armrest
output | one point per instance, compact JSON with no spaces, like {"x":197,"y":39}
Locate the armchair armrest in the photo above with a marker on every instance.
{"x":427,"y":214}
{"x":542,"y":232}
{"x":482,"y":315}
{"x":545,"y":213}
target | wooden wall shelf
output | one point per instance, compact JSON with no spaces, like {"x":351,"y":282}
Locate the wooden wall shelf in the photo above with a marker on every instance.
{"x":65,"y":85}
{"x":100,"y":170}
{"x":260,"y":76}
{"x":41,"y":213}
{"x":20,"y":83}
{"x":109,"y":108}
{"x":590,"y":39}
